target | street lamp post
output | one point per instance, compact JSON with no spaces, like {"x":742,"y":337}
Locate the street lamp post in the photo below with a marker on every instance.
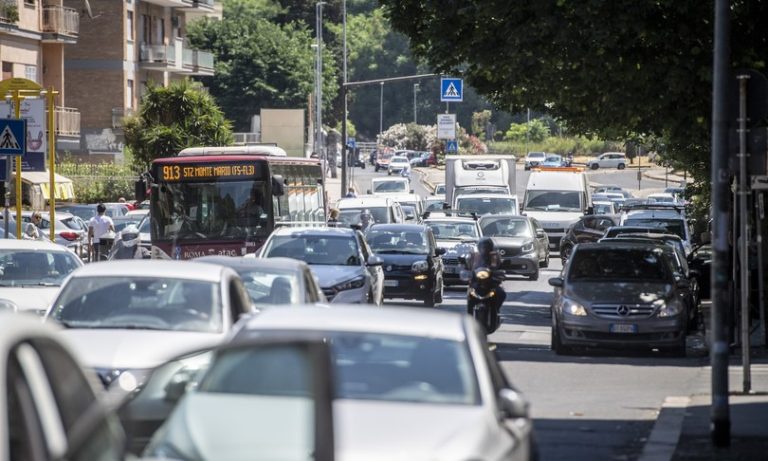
{"x":319,"y":87}
{"x":344,"y":159}
{"x":381,"y":109}
{"x":415,"y":90}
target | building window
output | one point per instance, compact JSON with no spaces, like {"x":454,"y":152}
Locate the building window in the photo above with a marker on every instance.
{"x":30,"y":72}
{"x":30,"y":2}
{"x":129,"y":94}
{"x":159,"y":31}
{"x":129,"y":26}
{"x":7,"y":70}
{"x":146,"y":28}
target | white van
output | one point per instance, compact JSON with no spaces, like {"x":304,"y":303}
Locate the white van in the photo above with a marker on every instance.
{"x":388,"y":186}
{"x":557,"y":199}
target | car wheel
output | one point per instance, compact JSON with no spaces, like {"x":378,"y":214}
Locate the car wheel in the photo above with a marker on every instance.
{"x":545,"y":263}
{"x":556,"y":343}
{"x":594,"y":166}
{"x":621,"y":166}
{"x":429,"y":301}
{"x":389,"y":172}
{"x":376,"y":168}
{"x":535,"y":275}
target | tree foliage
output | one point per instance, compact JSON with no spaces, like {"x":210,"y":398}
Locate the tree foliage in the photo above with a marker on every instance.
{"x":613,"y":68}
{"x":261,"y":62}
{"x":173,"y":118}
{"x":535,"y":131}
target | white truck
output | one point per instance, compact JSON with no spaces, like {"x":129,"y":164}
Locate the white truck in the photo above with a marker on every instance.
{"x":557,"y":198}
{"x":468,"y":174}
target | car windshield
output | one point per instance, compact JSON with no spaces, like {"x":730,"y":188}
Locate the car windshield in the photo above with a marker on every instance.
{"x":271,"y":286}
{"x":546,"y":200}
{"x":487,"y":205}
{"x":484,"y":190}
{"x":35,"y":268}
{"x":554,"y":158}
{"x":661,"y":199}
{"x":351,"y":216}
{"x":603,"y":208}
{"x":454,"y":230}
{"x":390,"y":186}
{"x":409,"y":211}
{"x":619,"y":264}
{"x":536,"y":155}
{"x":142,"y":303}
{"x":669,"y":226}
{"x":386,"y":241}
{"x":315,"y":249}
{"x":83,"y":211}
{"x":440,"y":189}
{"x":507,"y":228}
{"x":434,"y":205}
{"x":144,"y":225}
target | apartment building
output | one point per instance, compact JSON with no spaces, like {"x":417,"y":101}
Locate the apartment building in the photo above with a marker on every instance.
{"x":35,"y":37}
{"x":123,"y":46}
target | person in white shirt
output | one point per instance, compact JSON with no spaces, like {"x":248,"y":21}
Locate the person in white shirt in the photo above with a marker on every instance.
{"x":31,"y":231}
{"x":98,"y":226}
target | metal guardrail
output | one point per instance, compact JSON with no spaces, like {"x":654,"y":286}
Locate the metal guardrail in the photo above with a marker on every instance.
{"x":61,"y":20}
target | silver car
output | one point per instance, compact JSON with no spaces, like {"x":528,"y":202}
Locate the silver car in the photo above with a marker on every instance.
{"x":620,"y":295}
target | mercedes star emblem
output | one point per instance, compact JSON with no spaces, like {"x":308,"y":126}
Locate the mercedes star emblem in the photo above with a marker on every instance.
{"x":622,"y":310}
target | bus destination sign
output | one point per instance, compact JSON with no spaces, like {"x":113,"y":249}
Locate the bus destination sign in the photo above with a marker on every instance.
{"x":202,"y":172}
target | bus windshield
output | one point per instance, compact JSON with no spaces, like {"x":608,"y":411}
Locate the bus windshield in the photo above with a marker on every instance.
{"x":231,"y":210}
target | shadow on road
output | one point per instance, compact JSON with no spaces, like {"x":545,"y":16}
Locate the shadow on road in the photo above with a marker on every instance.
{"x":576,"y":439}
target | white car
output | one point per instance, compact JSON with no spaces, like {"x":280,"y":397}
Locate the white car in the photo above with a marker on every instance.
{"x":608,"y":160}
{"x":32,"y":272}
{"x":130,"y":316}
{"x":398,"y":164}
{"x":411,"y":384}
{"x":661,"y":198}
{"x":51,"y":409}
{"x":387,"y":186}
{"x":382,"y":209}
{"x":534,"y":159}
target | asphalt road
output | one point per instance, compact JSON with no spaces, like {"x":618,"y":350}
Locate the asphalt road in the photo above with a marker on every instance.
{"x":597,"y":406}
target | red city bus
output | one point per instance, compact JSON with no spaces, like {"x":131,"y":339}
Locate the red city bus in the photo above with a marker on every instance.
{"x":227,"y":200}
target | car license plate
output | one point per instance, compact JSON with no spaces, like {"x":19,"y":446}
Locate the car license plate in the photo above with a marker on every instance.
{"x":390,"y":283}
{"x":623,"y":328}
{"x":451,"y":270}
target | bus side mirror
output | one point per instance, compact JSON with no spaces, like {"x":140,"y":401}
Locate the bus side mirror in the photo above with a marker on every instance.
{"x":278,"y":185}
{"x":140,"y":190}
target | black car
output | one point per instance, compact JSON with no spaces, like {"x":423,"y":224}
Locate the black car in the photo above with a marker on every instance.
{"x":521,"y":242}
{"x":412,"y":265}
{"x":589,"y":228}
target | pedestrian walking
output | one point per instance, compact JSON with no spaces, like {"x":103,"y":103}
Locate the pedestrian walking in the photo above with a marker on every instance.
{"x":99,"y":226}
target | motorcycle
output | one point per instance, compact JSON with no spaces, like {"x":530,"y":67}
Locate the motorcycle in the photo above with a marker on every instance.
{"x":483,"y":287}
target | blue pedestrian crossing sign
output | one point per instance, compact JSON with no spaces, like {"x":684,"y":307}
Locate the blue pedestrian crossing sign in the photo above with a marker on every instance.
{"x":451,"y":146}
{"x":351,"y":143}
{"x":12,"y":136}
{"x":451,"y":89}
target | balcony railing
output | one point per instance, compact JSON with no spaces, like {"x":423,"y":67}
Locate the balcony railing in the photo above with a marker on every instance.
{"x":61,"y":20}
{"x":204,"y":59}
{"x":163,"y":54}
{"x":247,"y":138}
{"x":67,"y":121}
{"x":196,"y":60}
{"x":118,"y":114}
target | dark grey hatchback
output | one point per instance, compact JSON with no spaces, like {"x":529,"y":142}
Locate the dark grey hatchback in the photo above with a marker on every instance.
{"x":619,"y":295}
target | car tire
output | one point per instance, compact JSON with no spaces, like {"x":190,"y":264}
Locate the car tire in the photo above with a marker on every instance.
{"x":545,"y":263}
{"x":534,"y":276}
{"x":556,"y":344}
{"x":376,"y":168}
{"x":389,"y":172}
{"x":594,"y":166}
{"x":621,"y":166}
{"x":429,"y":301}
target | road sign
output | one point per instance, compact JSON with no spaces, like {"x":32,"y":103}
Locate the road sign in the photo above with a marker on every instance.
{"x":351,"y":143}
{"x":451,"y":89}
{"x":12,"y":136}
{"x":451,"y":146}
{"x":446,"y":126}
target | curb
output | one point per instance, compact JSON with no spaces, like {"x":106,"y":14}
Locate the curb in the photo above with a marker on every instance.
{"x":663,"y":439}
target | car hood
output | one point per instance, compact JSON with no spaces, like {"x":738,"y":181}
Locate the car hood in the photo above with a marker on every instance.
{"x":134,"y":349}
{"x":510,"y":242}
{"x":400,"y":259}
{"x":328,"y":276}
{"x":618,"y":292}
{"x":35,"y":299}
{"x":555,"y":218}
{"x":422,"y":431}
{"x":238,"y":427}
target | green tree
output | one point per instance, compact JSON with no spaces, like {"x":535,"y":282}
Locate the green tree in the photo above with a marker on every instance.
{"x":260,"y":63}
{"x":172,"y":118}
{"x":535,"y":131}
{"x":479,"y":122}
{"x":612,"y":68}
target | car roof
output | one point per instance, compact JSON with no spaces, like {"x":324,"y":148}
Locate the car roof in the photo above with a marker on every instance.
{"x":391,"y":320}
{"x":364,"y":202}
{"x":405,"y":197}
{"x":617,"y":243}
{"x":309,"y":231}
{"x":400,"y":227}
{"x":460,"y":219}
{"x":630,"y":229}
{"x":31,"y":245}
{"x":153,"y":268}
{"x":238,"y":262}
{"x":495,"y":217}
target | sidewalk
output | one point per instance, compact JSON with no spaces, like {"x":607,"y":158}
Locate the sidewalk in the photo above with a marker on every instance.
{"x":431,"y":176}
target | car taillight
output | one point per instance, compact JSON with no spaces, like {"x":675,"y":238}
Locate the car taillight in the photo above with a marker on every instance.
{"x":69,"y":235}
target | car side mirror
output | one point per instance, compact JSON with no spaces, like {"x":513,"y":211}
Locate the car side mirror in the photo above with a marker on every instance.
{"x":513,"y":405}
{"x":439,"y":251}
{"x":556,"y":281}
{"x":540,"y":233}
{"x":374,"y":261}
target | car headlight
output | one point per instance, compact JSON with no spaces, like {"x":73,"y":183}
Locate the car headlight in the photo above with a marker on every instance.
{"x":528,"y":248}
{"x":420,"y":266}
{"x":127,"y":380}
{"x":8,"y":305}
{"x":356,"y":282}
{"x":668,"y":309}
{"x":573,"y":308}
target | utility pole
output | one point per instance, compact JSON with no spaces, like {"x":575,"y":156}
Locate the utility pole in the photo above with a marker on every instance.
{"x":720,"y":422}
{"x":344,"y":160}
{"x":743,"y":243}
{"x":415,"y":90}
{"x":319,"y":87}
{"x":381,"y":108}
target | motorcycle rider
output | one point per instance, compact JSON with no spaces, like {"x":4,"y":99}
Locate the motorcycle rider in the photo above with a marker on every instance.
{"x":487,"y":256}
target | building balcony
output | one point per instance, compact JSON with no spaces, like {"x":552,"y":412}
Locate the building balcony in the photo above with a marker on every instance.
{"x":67,"y":121}
{"x":60,"y":24}
{"x":118,"y":114}
{"x":196,"y":62}
{"x":158,"y":57}
{"x":197,"y":5}
{"x":9,"y":12}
